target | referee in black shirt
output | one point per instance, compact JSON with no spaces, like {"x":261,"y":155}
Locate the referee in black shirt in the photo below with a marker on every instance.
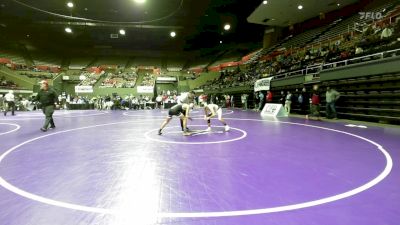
{"x":47,"y":98}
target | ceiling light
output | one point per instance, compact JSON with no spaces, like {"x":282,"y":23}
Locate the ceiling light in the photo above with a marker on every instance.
{"x":173,"y":34}
{"x":140,"y":1}
{"x":265,"y":2}
{"x":300,"y":7}
{"x":70,"y":4}
{"x":227,"y":27}
{"x":68,"y":30}
{"x":122,"y":32}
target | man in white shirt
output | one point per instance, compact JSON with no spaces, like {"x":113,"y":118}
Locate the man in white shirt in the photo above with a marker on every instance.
{"x":2,"y":102}
{"x":331,"y":97}
{"x":159,"y":100}
{"x":244,"y":101}
{"x":10,"y":103}
{"x":186,"y":98}
{"x":212,"y":110}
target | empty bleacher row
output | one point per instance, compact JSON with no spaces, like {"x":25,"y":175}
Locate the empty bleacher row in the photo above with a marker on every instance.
{"x":174,"y":64}
{"x":374,"y":98}
{"x":303,"y":39}
{"x":40,"y":59}
{"x":13,"y":56}
{"x":37,"y":74}
{"x":115,"y":61}
{"x":78,"y":63}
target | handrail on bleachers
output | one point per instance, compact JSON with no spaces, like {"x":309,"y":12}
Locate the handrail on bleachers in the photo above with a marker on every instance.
{"x":346,"y":62}
{"x":316,"y":68}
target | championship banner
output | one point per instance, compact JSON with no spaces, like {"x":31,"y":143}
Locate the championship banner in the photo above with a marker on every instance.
{"x":262,"y":84}
{"x":83,"y":89}
{"x":145,"y":89}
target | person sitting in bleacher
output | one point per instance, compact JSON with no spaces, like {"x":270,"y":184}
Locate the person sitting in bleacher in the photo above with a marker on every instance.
{"x":387,"y":32}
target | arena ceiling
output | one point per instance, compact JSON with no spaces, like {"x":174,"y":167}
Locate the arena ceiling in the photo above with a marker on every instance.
{"x":288,"y":12}
{"x":96,"y":23}
{"x":198,"y":24}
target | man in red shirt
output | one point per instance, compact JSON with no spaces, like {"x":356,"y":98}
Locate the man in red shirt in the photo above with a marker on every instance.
{"x":269,"y":97}
{"x":315,"y":101}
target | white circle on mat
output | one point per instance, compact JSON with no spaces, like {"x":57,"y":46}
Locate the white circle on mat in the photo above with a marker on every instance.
{"x":227,"y":112}
{"x":17,"y":127}
{"x":188,"y":142}
{"x":40,"y":116}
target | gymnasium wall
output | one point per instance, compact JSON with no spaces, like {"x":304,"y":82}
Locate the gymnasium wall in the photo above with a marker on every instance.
{"x":384,"y":66}
{"x":287,"y":81}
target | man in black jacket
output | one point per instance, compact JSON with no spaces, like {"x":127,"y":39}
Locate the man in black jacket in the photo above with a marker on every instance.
{"x":47,"y":98}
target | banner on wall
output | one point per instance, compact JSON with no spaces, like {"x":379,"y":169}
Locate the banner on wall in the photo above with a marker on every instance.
{"x":171,"y":79}
{"x":83,"y":89}
{"x":145,"y":89}
{"x":263,"y":84}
